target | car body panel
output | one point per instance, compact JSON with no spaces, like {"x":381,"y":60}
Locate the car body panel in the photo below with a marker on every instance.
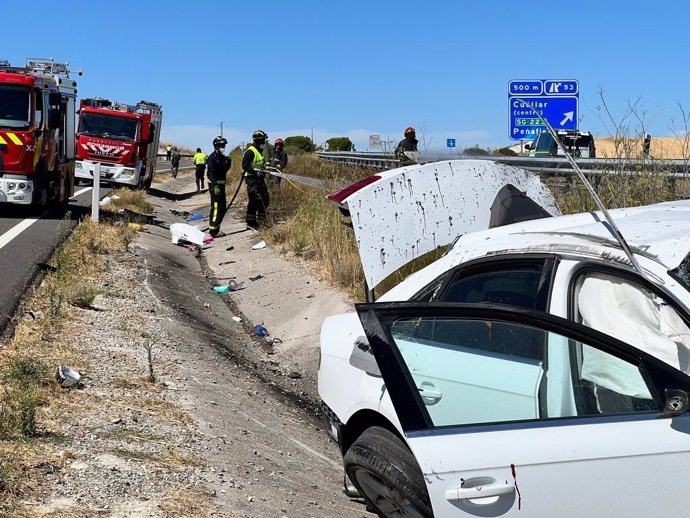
{"x":434,"y":203}
{"x":578,"y":465}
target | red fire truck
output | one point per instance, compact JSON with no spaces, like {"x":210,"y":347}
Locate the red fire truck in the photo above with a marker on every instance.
{"x":37,"y":109}
{"x":122,"y":138}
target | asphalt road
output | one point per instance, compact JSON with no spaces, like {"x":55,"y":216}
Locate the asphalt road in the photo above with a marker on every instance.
{"x":28,"y":239}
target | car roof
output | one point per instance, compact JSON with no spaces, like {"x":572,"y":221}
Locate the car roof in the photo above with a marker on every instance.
{"x":660,"y":232}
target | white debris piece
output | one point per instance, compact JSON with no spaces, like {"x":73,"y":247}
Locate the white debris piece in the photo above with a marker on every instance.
{"x":259,"y":245}
{"x":186,"y":233}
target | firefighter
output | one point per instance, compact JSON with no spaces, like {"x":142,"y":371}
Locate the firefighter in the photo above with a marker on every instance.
{"x":277,"y":158}
{"x":253,"y":163}
{"x":168,"y":151}
{"x":409,"y":143}
{"x":218,"y":166}
{"x":200,"y":160}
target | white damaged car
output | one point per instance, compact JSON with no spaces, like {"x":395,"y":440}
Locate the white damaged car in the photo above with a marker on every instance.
{"x":536,"y":369}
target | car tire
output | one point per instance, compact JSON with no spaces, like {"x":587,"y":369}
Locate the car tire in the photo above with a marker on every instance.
{"x":386,"y":474}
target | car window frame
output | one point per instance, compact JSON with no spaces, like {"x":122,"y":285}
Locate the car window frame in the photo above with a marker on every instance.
{"x":591,"y":266}
{"x":401,"y":386}
{"x":587,"y":267}
{"x":488,"y":264}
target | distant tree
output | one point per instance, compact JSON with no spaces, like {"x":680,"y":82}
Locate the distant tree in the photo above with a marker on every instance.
{"x":475,"y":151}
{"x":299,"y":144}
{"x":504,"y":151}
{"x":339,"y":144}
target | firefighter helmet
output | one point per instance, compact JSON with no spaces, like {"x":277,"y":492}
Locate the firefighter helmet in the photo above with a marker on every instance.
{"x":410,"y":131}
{"x":259,"y":136}
{"x":279,"y":142}
{"x":219,"y":142}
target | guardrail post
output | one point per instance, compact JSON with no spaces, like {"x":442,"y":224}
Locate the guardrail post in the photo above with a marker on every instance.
{"x":96,"y":193}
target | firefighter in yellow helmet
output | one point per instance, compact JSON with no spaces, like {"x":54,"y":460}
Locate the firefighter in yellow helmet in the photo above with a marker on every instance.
{"x":253,"y":163}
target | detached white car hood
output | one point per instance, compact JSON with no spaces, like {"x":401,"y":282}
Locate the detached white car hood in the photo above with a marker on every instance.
{"x":406,"y":212}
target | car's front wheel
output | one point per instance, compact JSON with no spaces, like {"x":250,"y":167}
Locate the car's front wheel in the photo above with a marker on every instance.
{"x":386,"y":473}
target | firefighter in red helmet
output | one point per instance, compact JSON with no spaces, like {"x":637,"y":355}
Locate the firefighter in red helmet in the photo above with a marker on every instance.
{"x":409,"y":143}
{"x":277,"y":158}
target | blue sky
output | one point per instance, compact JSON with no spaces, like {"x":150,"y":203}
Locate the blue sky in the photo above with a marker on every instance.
{"x":361,"y":67}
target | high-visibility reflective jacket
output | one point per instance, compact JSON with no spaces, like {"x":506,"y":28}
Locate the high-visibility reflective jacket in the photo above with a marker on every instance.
{"x":200,"y":158}
{"x":252,"y":160}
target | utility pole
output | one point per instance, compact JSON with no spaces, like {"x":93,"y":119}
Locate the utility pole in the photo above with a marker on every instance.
{"x":221,"y":128}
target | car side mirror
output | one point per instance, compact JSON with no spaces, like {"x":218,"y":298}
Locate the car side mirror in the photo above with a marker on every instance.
{"x":363,"y":358}
{"x":676,"y":402}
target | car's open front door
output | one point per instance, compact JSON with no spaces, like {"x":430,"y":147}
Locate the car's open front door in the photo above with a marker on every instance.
{"x":501,"y":410}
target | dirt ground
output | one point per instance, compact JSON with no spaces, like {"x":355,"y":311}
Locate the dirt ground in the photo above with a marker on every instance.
{"x":230,"y":428}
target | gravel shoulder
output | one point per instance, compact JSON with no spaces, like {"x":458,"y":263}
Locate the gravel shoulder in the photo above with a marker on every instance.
{"x":229,"y":428}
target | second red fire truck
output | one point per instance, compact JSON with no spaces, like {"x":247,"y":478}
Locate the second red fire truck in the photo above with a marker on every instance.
{"x":122,"y":138}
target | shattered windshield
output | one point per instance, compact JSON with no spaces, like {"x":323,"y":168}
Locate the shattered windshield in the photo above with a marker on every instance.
{"x":108,"y":126}
{"x":15,"y":107}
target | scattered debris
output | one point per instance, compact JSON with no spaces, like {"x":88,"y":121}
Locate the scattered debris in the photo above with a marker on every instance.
{"x":226,"y":262}
{"x":235,"y":286}
{"x":195,"y":217}
{"x":229,"y":248}
{"x":274,"y":341}
{"x":231,"y":286}
{"x":33,"y":315}
{"x":67,"y":377}
{"x":208,"y":239}
{"x":237,"y":319}
{"x":188,"y":233}
{"x":259,"y":245}
{"x":260,"y":330}
{"x":294,"y":375}
{"x":256,"y":278}
{"x":182,"y":213}
{"x":105,"y":201}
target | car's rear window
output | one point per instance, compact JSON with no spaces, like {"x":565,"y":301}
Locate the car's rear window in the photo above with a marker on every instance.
{"x":514,"y":286}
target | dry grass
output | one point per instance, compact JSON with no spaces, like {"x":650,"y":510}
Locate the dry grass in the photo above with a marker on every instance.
{"x":31,"y":403}
{"x":187,"y":503}
{"x":303,"y":224}
{"x":134,"y":200}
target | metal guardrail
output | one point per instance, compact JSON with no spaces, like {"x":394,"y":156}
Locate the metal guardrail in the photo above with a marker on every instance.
{"x":548,"y":166}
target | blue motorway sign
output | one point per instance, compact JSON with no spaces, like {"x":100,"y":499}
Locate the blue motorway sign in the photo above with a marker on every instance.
{"x":450,"y":142}
{"x":554,"y":100}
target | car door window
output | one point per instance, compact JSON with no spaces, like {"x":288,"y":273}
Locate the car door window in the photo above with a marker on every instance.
{"x":521,"y":285}
{"x":632,"y":313}
{"x":479,"y":371}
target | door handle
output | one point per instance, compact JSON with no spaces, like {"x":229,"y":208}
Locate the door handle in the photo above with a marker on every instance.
{"x":429,"y":394}
{"x":470,"y":493}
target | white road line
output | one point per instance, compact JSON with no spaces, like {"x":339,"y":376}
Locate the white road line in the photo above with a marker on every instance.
{"x":82,"y":191}
{"x":7,"y":237}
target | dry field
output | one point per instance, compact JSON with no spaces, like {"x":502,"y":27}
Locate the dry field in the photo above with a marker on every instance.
{"x":665,"y":148}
